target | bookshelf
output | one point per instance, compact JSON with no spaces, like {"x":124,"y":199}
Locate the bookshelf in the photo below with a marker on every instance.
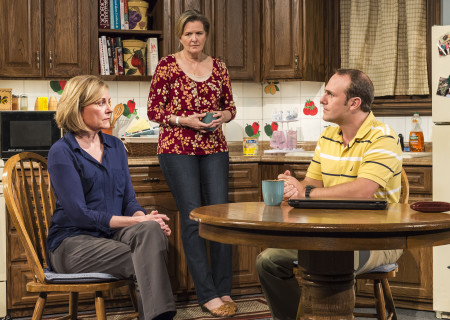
{"x":154,"y":24}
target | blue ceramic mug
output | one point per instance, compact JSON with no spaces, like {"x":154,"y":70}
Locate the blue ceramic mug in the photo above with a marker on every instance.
{"x":272,"y":191}
{"x":207,"y":119}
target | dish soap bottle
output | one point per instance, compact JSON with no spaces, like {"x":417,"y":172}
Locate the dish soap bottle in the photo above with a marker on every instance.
{"x":416,"y":141}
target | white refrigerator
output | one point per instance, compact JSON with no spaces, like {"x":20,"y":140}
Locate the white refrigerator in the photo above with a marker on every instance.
{"x":441,"y":159}
{"x":3,"y":307}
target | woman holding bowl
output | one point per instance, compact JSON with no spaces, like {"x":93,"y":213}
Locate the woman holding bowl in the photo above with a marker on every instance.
{"x":186,"y":88}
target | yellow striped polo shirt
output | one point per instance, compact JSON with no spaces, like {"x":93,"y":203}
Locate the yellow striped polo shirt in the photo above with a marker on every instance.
{"x":374,"y":154}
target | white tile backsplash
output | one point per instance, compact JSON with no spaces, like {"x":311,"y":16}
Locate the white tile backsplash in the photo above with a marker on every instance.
{"x":36,"y":88}
{"x":16,"y":85}
{"x":251,"y":90}
{"x":128,"y":89}
{"x":289,"y":89}
{"x":236,"y":89}
{"x":251,"y":102}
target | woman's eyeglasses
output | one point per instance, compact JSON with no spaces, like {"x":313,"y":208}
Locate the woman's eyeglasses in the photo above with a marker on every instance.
{"x":103,"y":102}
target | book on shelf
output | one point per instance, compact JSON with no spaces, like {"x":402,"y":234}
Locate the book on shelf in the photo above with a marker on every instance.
{"x":111,"y":14}
{"x":125,"y":5}
{"x":116,"y":14}
{"x":114,"y":55}
{"x":103,"y":51}
{"x":100,"y":57}
{"x":110,"y":57}
{"x":119,"y":55}
{"x":152,"y":55}
{"x":103,"y":14}
{"x":124,"y":15}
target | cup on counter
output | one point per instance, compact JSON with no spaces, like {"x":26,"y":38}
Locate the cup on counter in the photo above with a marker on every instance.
{"x":272,"y":191}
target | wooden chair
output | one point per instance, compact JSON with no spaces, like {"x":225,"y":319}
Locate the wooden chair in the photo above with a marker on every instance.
{"x":30,"y":201}
{"x":381,"y":289}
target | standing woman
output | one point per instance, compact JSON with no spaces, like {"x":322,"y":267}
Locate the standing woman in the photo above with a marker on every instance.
{"x":193,"y":155}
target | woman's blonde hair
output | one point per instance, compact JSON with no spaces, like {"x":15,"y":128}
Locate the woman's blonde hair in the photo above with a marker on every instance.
{"x":190,"y":16}
{"x":80,"y":91}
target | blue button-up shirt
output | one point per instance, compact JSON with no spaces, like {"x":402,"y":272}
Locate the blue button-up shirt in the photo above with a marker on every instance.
{"x":88,"y":192}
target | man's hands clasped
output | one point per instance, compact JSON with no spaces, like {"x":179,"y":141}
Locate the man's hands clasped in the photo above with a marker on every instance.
{"x":292,"y":187}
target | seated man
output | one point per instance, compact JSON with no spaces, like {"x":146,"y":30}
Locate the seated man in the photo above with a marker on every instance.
{"x":361,"y":157}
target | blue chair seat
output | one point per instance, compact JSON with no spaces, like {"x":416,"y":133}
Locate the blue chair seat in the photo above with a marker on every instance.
{"x":384,"y":268}
{"x":91,"y":277}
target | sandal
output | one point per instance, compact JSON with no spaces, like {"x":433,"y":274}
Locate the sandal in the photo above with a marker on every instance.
{"x":224,"y":310}
{"x":232,"y":305}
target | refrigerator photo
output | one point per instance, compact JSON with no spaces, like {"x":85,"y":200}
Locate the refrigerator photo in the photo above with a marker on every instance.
{"x":440,"y":53}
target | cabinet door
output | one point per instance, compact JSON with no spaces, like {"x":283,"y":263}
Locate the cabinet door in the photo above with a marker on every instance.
{"x":420,"y":183}
{"x":20,"y":28}
{"x":67,"y":43}
{"x":177,"y":7}
{"x":282,"y":39}
{"x":236,"y":34}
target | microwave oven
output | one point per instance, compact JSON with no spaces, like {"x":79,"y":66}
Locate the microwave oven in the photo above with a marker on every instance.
{"x":27,"y":131}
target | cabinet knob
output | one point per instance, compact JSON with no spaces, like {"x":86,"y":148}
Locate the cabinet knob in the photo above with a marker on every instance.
{"x":50,"y":60}
{"x":296,"y":62}
{"x":151,"y":180}
{"x":38,"y":59}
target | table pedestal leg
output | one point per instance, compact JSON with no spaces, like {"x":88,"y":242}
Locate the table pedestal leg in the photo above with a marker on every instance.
{"x":327,"y":285}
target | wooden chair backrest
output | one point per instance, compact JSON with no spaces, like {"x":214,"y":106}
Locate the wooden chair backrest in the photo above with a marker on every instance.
{"x":404,"y":197}
{"x":30,"y":201}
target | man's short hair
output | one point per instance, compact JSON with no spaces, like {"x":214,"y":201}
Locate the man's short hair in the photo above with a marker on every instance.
{"x":360,"y":86}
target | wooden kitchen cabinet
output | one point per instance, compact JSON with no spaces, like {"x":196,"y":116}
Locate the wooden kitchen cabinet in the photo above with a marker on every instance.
{"x":67,"y":25}
{"x":261,"y":40}
{"x":293,"y":39}
{"x":420,"y":182}
{"x":237,"y":37}
{"x":282,"y":39}
{"x":21,"y":45}
{"x":49,"y":38}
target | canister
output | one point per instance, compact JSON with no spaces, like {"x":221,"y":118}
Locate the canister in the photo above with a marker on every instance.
{"x":52,"y":103}
{"x":250,"y":146}
{"x":137,"y":15}
{"x":15,"y":102}
{"x":134,"y":53}
{"x":23,"y":102}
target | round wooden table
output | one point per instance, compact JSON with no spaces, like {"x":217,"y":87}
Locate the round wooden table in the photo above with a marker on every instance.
{"x":326,"y":240}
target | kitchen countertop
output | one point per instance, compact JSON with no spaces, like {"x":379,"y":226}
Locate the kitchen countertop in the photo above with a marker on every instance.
{"x":236,"y":157}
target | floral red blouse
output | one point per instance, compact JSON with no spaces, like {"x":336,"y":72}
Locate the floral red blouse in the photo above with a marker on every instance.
{"x":173,"y":92}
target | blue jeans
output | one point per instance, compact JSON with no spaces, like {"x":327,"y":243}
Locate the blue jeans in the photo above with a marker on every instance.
{"x":197,"y":181}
